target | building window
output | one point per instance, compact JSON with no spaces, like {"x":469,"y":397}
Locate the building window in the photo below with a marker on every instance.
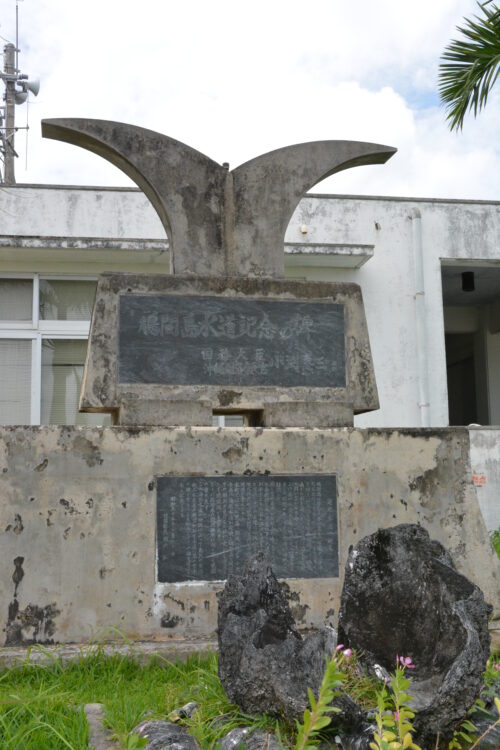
{"x":44,"y":327}
{"x":15,"y":381}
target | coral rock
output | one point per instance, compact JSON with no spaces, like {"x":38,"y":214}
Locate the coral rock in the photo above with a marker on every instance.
{"x":402,"y":595}
{"x":162,"y":735}
{"x":264,"y":664}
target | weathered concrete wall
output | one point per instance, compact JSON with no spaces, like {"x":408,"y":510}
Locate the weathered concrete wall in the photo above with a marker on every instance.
{"x":485,"y":463}
{"x":66,"y":211}
{"x":77,"y":518}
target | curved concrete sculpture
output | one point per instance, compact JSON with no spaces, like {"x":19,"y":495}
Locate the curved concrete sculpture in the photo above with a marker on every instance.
{"x":219,"y":222}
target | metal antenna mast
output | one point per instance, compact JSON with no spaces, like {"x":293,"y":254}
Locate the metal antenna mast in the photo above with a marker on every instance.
{"x":17,"y":88}
{"x":9,"y":52}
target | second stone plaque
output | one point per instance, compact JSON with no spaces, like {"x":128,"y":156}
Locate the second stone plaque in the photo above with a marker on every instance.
{"x":207,"y":527}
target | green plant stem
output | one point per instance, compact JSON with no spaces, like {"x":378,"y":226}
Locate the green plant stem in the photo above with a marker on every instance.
{"x":316,"y":718}
{"x":315,"y":715}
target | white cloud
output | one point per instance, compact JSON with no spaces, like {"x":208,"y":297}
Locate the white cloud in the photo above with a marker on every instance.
{"x":235,"y":80}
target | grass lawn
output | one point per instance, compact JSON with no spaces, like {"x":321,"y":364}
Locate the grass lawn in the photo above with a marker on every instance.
{"x":41,"y":707}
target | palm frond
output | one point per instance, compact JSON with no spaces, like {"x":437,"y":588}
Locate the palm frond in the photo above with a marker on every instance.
{"x":470,"y":65}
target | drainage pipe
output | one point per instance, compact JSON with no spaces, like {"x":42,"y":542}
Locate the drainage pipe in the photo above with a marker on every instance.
{"x":420,"y":318}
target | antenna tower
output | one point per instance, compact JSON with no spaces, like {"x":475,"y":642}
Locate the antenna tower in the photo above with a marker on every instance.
{"x":17,"y":88}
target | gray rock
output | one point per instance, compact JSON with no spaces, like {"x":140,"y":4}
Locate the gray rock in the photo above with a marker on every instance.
{"x":185,"y":712}
{"x":402,"y":595}
{"x":264,"y":664}
{"x":250,"y":739}
{"x":162,"y":735}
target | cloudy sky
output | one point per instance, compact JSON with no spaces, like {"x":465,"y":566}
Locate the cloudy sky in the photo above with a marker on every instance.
{"x":236,"y":79}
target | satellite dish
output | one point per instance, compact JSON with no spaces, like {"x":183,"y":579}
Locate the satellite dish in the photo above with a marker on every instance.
{"x":20,"y":97}
{"x":33,"y":86}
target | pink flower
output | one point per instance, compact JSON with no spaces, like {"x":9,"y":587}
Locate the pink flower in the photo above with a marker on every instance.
{"x":339,"y":647}
{"x":396,"y":715}
{"x":347,"y":652}
{"x":406,"y":662}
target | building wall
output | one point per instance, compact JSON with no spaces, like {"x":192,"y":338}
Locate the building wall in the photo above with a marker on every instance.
{"x":485,"y":464}
{"x":493,"y":360}
{"x":77,"y":212}
{"x":451,"y":231}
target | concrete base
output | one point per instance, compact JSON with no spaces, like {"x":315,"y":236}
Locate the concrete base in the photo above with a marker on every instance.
{"x":200,"y":414}
{"x":77,"y":519}
{"x":165,"y":413}
{"x":300,"y":413}
{"x":170,"y":651}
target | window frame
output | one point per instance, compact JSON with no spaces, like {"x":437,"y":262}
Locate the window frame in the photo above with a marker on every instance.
{"x":38,"y":329}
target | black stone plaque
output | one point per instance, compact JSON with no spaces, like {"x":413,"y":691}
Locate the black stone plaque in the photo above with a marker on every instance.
{"x":208,"y":527}
{"x":196,"y":340}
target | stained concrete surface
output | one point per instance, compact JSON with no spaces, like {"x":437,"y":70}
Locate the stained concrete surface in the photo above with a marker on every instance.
{"x":77,"y":519}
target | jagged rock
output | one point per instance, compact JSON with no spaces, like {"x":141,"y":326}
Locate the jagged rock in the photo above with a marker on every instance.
{"x":162,"y":735}
{"x":402,"y":595}
{"x":249,"y":739}
{"x":264,"y":664}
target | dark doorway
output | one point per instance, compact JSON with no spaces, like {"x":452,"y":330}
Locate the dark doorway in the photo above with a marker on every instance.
{"x":471,"y":308}
{"x":460,"y":370}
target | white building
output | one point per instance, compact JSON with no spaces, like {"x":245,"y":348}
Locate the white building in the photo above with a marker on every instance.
{"x":436,"y":347}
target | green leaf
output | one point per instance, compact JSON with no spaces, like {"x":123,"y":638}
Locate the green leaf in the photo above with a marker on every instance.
{"x":312,"y":699}
{"x":469,"y":725}
{"x":322,"y":722}
{"x":470,"y":66}
{"x":389,"y":736}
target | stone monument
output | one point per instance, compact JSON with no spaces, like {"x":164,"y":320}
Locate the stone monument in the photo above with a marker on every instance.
{"x":225,"y":332}
{"x":136,"y":525}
